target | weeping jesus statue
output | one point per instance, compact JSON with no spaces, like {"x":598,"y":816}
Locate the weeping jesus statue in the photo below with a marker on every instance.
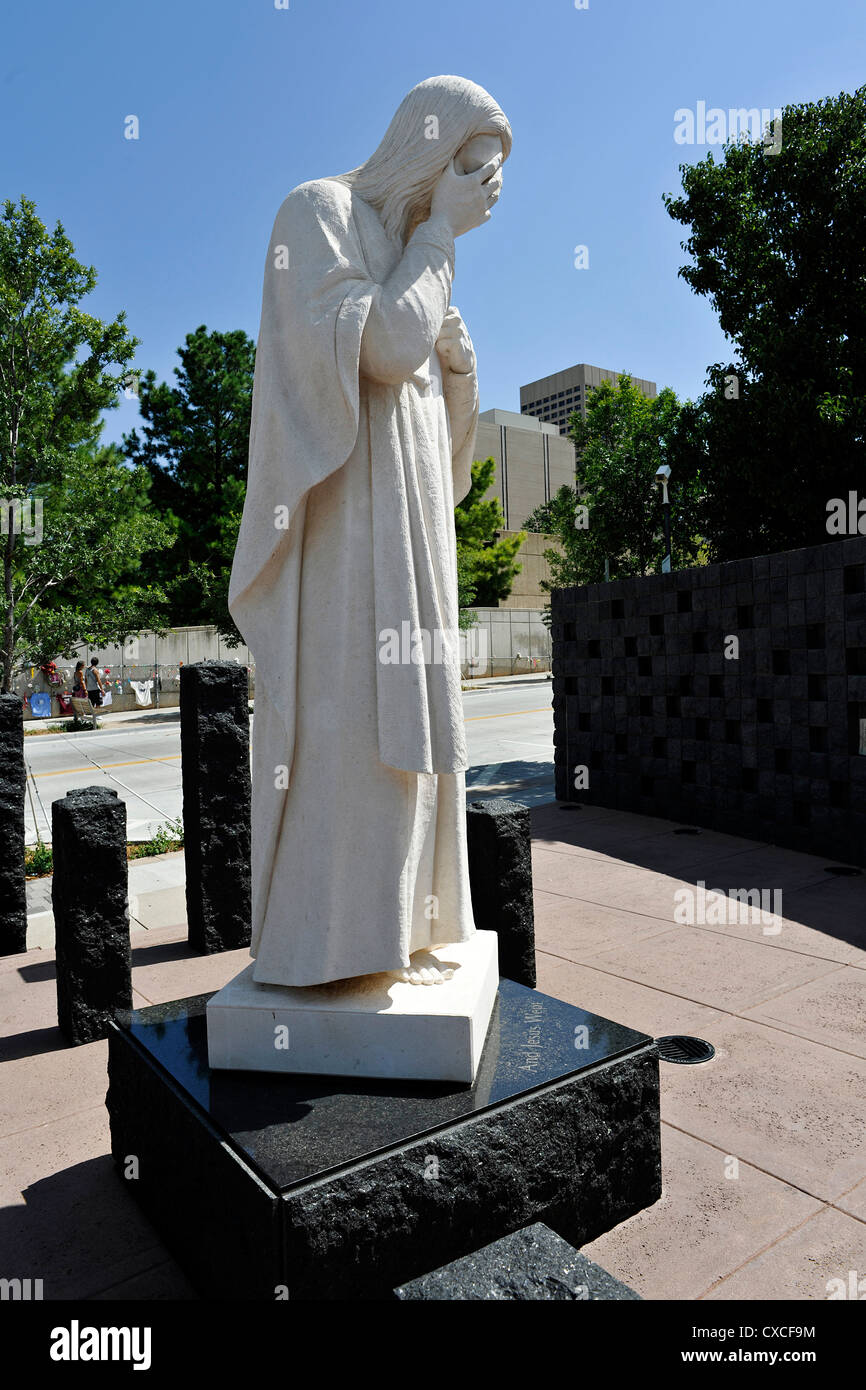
{"x":363,"y":429}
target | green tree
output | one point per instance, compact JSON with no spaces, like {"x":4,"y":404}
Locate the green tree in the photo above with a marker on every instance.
{"x":486,"y":564}
{"x":777,"y":247}
{"x":544,"y":518}
{"x":465,"y":589}
{"x":59,"y":368}
{"x":81,"y":583}
{"x":195,"y":447}
{"x":614,"y":514}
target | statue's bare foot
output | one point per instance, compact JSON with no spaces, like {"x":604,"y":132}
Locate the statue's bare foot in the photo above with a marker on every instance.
{"x":425,"y":969}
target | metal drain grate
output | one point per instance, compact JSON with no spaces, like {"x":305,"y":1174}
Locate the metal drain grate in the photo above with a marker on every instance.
{"x":687,"y":830}
{"x":843,"y":871}
{"x":685,"y":1051}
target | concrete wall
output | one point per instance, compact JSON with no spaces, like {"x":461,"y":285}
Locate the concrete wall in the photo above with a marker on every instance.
{"x":503,"y":642}
{"x":506,"y":642}
{"x":163,"y":655}
{"x":770,"y":743}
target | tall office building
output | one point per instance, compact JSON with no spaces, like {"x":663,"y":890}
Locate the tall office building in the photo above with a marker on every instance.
{"x":532,"y":462}
{"x":553,"y":398}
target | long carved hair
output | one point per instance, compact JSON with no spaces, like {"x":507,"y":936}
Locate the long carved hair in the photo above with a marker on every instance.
{"x":430,"y":125}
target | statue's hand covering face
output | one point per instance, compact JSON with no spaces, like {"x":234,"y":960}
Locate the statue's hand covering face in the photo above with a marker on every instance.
{"x":443,"y":119}
{"x":344,"y":582}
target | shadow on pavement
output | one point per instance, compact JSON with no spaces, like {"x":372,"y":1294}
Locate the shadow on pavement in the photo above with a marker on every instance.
{"x":811,"y":896}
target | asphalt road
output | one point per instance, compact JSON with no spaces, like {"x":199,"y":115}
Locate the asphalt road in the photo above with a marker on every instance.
{"x":509,"y":730}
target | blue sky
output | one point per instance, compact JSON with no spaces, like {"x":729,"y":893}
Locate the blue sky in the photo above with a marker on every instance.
{"x":239,"y":101}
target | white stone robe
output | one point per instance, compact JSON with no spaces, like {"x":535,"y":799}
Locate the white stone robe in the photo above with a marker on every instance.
{"x":358,"y":451}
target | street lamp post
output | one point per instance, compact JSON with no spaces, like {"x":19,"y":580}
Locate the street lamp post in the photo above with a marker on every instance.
{"x":662,"y":475}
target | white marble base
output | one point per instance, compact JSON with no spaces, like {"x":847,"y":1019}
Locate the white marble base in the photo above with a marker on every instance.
{"x":376,"y":1026}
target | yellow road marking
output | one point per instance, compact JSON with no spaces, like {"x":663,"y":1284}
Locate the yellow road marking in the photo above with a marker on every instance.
{"x":510,"y":714}
{"x":138,"y":762}
{"x":98,"y":767}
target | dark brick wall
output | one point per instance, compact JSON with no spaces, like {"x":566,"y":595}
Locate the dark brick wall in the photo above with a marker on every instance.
{"x":766,"y":745}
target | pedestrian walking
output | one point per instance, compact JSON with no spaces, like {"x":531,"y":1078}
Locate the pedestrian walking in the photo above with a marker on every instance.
{"x":93,"y":681}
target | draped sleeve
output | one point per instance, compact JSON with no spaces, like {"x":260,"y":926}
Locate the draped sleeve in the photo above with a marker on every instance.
{"x":326,"y":324}
{"x":315,"y":302}
{"x":461,"y":396}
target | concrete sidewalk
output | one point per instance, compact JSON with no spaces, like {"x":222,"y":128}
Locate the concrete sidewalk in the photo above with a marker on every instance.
{"x":764,"y":1163}
{"x":108,"y":720}
{"x":156,"y":893}
{"x":497,"y":682}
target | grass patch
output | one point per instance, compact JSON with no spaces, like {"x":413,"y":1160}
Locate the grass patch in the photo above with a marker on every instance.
{"x":74,"y":725}
{"x":38,"y":859}
{"x":167,"y":839}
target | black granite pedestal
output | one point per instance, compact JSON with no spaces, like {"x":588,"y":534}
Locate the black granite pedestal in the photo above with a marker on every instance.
{"x":266,"y":1186}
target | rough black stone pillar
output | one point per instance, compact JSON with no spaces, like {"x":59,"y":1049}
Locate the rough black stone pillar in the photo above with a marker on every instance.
{"x":91,"y":915}
{"x":215,"y":756}
{"x":500,"y":876}
{"x":13,"y":776}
